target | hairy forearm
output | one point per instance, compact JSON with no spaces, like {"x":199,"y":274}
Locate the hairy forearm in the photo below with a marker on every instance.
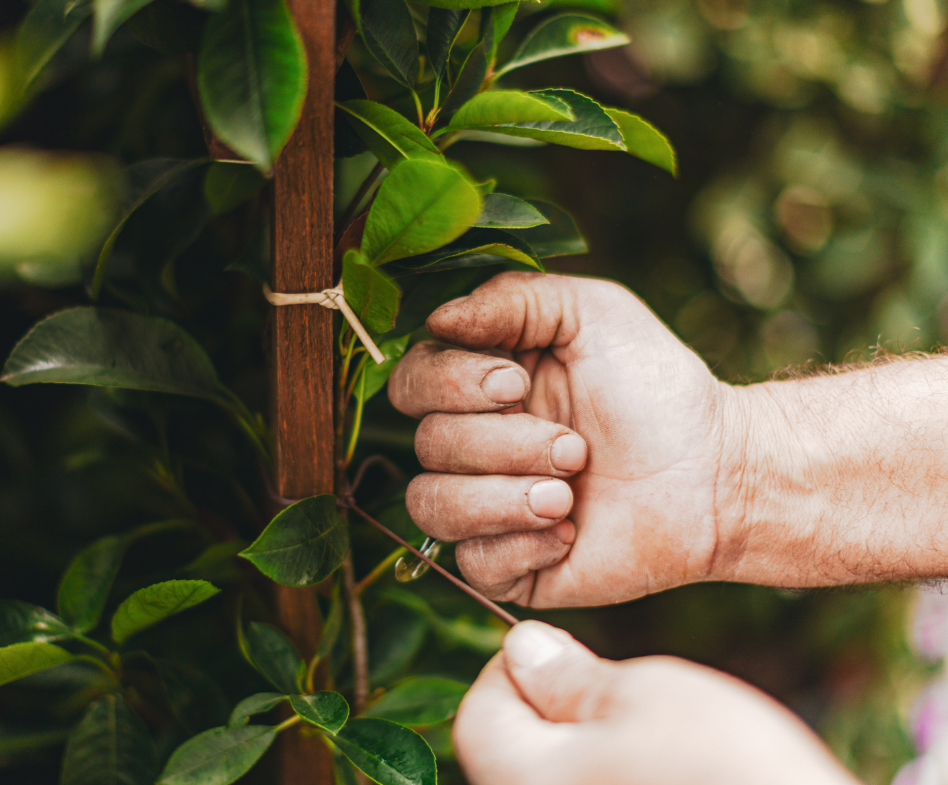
{"x":839,"y":478}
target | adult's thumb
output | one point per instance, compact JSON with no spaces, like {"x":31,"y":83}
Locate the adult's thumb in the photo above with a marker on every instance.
{"x":562,"y":679}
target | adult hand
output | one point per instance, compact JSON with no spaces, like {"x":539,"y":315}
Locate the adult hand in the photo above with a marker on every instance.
{"x":597,"y":483}
{"x":547,"y":711}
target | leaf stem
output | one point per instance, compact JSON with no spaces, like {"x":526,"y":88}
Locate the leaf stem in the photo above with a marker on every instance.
{"x":383,"y":567}
{"x":360,"y":645}
{"x":294,"y":720}
{"x":421,"y":111}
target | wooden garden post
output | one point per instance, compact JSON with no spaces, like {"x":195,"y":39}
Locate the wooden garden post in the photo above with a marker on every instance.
{"x":301,"y":372}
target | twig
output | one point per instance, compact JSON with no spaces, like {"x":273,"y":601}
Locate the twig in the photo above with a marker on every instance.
{"x":360,"y":646}
{"x":493,"y":607}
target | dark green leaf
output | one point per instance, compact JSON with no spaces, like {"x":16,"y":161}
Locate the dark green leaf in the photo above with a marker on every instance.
{"x":216,"y":563}
{"x":227,"y":186}
{"x":565,"y":34}
{"x":45,"y":28}
{"x":171,"y":28}
{"x":27,"y":740}
{"x":425,"y":293}
{"x":346,"y":142}
{"x":84,"y":588}
{"x":396,"y":636}
{"x":25,"y":659}
{"x":389,"y":34}
{"x":443,"y":28}
{"x":110,"y":746}
{"x":108,"y":348}
{"x":145,"y":180}
{"x":109,"y":14}
{"x":504,"y":107}
{"x":470,"y":79}
{"x":332,"y":626}
{"x":370,"y":292}
{"x":21,"y":622}
{"x":390,"y":754}
{"x":303,"y":545}
{"x":156,"y":603}
{"x":644,"y":140}
{"x":559,"y":237}
{"x":218,"y":756}
{"x":502,"y":211}
{"x":420,"y":206}
{"x":377,"y":374}
{"x":389,"y":136}
{"x":255,"y":260}
{"x":419,"y":700}
{"x":474,"y":248}
{"x":273,"y":655}
{"x":326,"y":710}
{"x":252,"y":76}
{"x":255,"y":704}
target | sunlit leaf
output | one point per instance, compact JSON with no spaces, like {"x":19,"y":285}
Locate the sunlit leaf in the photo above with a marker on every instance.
{"x":21,"y":622}
{"x":502,"y":17}
{"x":419,"y":700}
{"x":110,"y":745}
{"x":255,"y":704}
{"x":389,"y":34}
{"x":326,"y":710}
{"x":25,"y":659}
{"x":157,"y":602}
{"x":644,"y":140}
{"x":565,"y":34}
{"x":502,"y":211}
{"x":377,"y":374}
{"x":475,"y":248}
{"x":273,"y":655}
{"x":388,"y":753}
{"x":502,"y":107}
{"x":218,"y":756}
{"x":45,"y":28}
{"x":252,"y":76}
{"x":303,"y":545}
{"x":84,"y":588}
{"x":371,"y":294}
{"x":389,"y":136}
{"x":443,"y":28}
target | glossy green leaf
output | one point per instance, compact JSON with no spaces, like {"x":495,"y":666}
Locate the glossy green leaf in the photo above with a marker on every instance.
{"x":218,"y":756}
{"x":420,"y":206}
{"x":475,"y":248}
{"x":21,"y":622}
{"x":252,"y":76}
{"x":558,"y":237}
{"x":389,"y":136}
{"x":110,"y":746}
{"x":502,"y":107}
{"x":502,"y":211}
{"x":326,"y":710}
{"x":255,"y":704}
{"x":45,"y":28}
{"x":145,"y":180}
{"x":109,"y":14}
{"x":565,"y":34}
{"x":156,"y":603}
{"x":377,"y":374}
{"x":465,"y":3}
{"x":388,"y":753}
{"x":227,"y":186}
{"x":25,"y":659}
{"x":502,"y":17}
{"x":389,"y":34}
{"x":444,"y":25}
{"x":273,"y":655}
{"x":346,"y":143}
{"x":370,"y":293}
{"x":644,"y":140}
{"x":470,"y":79}
{"x":85,"y":586}
{"x":303,"y":545}
{"x":108,"y":348}
{"x":419,"y":700}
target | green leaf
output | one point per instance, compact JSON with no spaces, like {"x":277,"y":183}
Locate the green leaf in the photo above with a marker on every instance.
{"x":475,"y":248}
{"x":255,"y":704}
{"x":389,"y":34}
{"x":156,"y":603}
{"x":45,"y":28}
{"x":420,"y":206}
{"x":109,"y":348}
{"x":464,"y":3}
{"x":21,"y":622}
{"x":502,"y":211}
{"x":470,"y":79}
{"x":389,"y":136}
{"x":303,"y":545}
{"x":592,"y":129}
{"x":425,"y":293}
{"x":502,"y":17}
{"x":110,"y":745}
{"x":565,"y":34}
{"x":377,"y":374}
{"x":227,"y":186}
{"x":251,"y":76}
{"x":109,"y":15}
{"x":644,"y":140}
{"x":326,"y":710}
{"x":419,"y":700}
{"x":218,"y":756}
{"x":145,"y":180}
{"x":370,"y":293}
{"x":500,"y":107}
{"x":388,"y":753}
{"x":333,"y":624}
{"x":558,"y":237}
{"x":273,"y":655}
{"x":85,"y":586}
{"x":444,"y":25}
{"x":25,"y":659}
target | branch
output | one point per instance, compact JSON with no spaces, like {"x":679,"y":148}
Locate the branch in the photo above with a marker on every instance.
{"x":360,"y":645}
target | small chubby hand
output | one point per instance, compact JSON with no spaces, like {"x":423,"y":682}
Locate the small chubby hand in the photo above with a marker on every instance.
{"x":572,"y":443}
{"x":547,"y":711}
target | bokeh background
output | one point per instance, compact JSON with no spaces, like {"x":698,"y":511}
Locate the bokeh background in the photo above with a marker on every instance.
{"x":808,"y":225}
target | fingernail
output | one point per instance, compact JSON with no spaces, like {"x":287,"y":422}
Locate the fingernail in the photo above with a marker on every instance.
{"x":568,"y":453}
{"x":529,"y":645}
{"x":565,"y":532}
{"x":550,"y":499}
{"x":505,"y":385}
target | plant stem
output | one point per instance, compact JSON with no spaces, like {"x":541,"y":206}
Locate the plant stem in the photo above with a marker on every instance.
{"x":367,"y":185}
{"x":421,"y":111}
{"x":93,"y":644}
{"x":356,"y":423}
{"x":383,"y":567}
{"x":294,"y":720}
{"x":99,"y":664}
{"x":360,"y":644}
